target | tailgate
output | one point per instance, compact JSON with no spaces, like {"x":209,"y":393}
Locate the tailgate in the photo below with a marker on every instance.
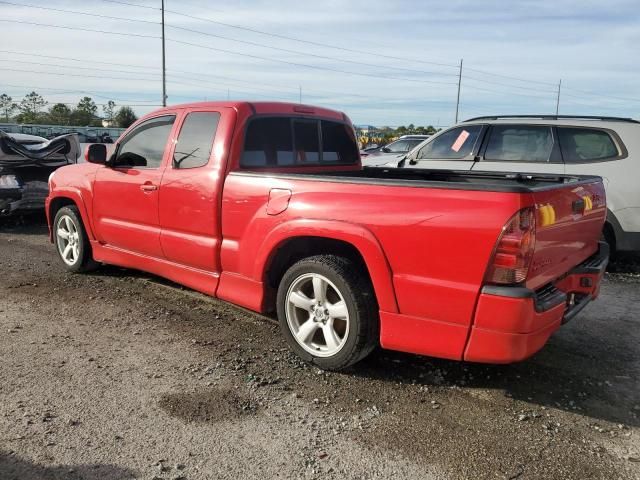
{"x":568,"y":227}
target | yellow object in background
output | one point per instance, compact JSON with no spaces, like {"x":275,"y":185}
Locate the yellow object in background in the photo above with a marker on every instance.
{"x":547,"y":215}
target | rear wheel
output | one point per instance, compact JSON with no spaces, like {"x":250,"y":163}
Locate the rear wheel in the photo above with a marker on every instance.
{"x":72,"y":243}
{"x":609,"y":236}
{"x":327,"y":311}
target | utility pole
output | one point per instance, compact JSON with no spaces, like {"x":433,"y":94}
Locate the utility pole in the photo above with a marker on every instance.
{"x":459,"y":86}
{"x":558,"y":100}
{"x":300,"y":93}
{"x":164,"y":69}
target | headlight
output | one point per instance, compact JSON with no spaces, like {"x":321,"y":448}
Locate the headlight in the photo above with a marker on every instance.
{"x":9,"y":181}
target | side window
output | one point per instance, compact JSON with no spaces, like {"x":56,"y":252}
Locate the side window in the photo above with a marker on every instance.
{"x":285,"y":142}
{"x":195,"y":140}
{"x":586,"y":144}
{"x":519,"y":143}
{"x":268,"y":142}
{"x":398,"y":147}
{"x":338,"y":143}
{"x":144,"y":146}
{"x":455,"y":144}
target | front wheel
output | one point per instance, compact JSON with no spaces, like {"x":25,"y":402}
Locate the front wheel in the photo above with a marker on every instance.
{"x":71,"y":241}
{"x":328,"y":312}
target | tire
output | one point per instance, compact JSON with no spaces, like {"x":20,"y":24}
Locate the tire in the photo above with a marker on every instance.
{"x":609,"y":236}
{"x":75,"y":254}
{"x":328,"y":312}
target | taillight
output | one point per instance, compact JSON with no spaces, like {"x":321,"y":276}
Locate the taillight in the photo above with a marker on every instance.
{"x":514,"y":250}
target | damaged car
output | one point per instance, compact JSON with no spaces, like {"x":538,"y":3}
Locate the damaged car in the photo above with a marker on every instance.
{"x":26,"y":161}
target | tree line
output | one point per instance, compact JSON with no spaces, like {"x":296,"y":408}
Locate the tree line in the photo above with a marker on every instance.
{"x":33,"y":109}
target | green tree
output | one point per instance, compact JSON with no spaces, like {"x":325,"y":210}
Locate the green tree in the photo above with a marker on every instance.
{"x":85,"y":112}
{"x":125,"y":117}
{"x":30,"y":107}
{"x":7,"y":106}
{"x":109,"y":112}
{"x":60,"y":114}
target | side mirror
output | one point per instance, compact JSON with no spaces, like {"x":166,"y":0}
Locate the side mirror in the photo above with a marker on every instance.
{"x":96,"y":153}
{"x":386,"y":149}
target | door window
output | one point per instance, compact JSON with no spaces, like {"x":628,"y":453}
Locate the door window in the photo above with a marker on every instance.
{"x":145,"y":145}
{"x":586,"y":145}
{"x":400,"y":146}
{"x":195,"y":141}
{"x":519,"y":143}
{"x":455,"y":144}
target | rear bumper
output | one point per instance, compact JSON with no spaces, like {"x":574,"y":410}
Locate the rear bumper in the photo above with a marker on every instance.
{"x":513,"y":323}
{"x":28,"y":198}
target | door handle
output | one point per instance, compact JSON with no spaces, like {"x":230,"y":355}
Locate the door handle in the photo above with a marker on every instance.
{"x":148,"y":187}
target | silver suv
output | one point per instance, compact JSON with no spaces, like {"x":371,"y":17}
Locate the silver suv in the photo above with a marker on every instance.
{"x":604,"y":146}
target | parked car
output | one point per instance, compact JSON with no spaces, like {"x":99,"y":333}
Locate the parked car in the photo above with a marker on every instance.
{"x":381,"y":155}
{"x":26,"y":161}
{"x":266,"y":205}
{"x":604,"y":146}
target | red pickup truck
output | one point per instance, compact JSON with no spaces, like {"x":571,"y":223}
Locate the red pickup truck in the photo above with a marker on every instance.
{"x":267,"y":206}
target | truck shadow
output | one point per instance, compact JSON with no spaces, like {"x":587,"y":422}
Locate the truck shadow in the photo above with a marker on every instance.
{"x":568,"y":374}
{"x":13,"y":467}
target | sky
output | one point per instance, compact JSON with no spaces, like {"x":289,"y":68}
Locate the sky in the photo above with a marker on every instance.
{"x":381,"y":62}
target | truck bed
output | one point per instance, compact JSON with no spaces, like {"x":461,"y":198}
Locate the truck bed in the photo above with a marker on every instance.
{"x":449,"y":179}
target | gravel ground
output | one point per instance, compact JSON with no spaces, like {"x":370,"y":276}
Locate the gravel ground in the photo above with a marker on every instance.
{"x":119,"y":375}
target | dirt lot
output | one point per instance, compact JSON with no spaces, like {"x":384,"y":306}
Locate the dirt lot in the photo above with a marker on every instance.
{"x":118,"y":375}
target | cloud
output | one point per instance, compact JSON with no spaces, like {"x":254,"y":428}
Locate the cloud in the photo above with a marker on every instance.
{"x":590,"y":45}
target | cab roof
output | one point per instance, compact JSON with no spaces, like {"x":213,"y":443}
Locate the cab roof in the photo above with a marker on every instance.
{"x":261,"y":108}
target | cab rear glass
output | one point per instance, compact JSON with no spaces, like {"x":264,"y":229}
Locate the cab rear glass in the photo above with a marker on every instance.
{"x":297,"y":142}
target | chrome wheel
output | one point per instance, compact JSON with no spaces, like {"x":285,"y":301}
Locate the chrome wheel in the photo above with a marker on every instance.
{"x":68,"y":240}
{"x":317,"y":315}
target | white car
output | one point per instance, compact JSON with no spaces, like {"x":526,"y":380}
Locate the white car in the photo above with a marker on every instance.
{"x":374,"y":157}
{"x":604,"y":146}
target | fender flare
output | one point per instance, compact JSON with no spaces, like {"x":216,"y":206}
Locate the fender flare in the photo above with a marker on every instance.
{"x":362,"y":239}
{"x":72,"y":194}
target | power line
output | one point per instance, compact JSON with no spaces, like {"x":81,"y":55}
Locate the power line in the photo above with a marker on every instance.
{"x":197,"y":74}
{"x":74,"y":75}
{"x":81,"y":92}
{"x":64,"y":27}
{"x":82,"y":68}
{"x":316,"y":67}
{"x":489,"y":82}
{"x":520,"y":79}
{"x":474,"y":87}
{"x":614,"y":97}
{"x":285,"y":37}
{"x":74,"y":59}
{"x":308,"y":54}
{"x":76,"y":12}
{"x":245,"y":42}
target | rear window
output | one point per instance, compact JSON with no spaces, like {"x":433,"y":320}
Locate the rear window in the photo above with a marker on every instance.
{"x":287,"y":142}
{"x":586,"y":145}
{"x":519,"y":143}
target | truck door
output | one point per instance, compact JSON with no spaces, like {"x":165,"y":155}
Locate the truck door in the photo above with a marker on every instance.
{"x":191,"y":189}
{"x":125,"y":194}
{"x":521,"y":149}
